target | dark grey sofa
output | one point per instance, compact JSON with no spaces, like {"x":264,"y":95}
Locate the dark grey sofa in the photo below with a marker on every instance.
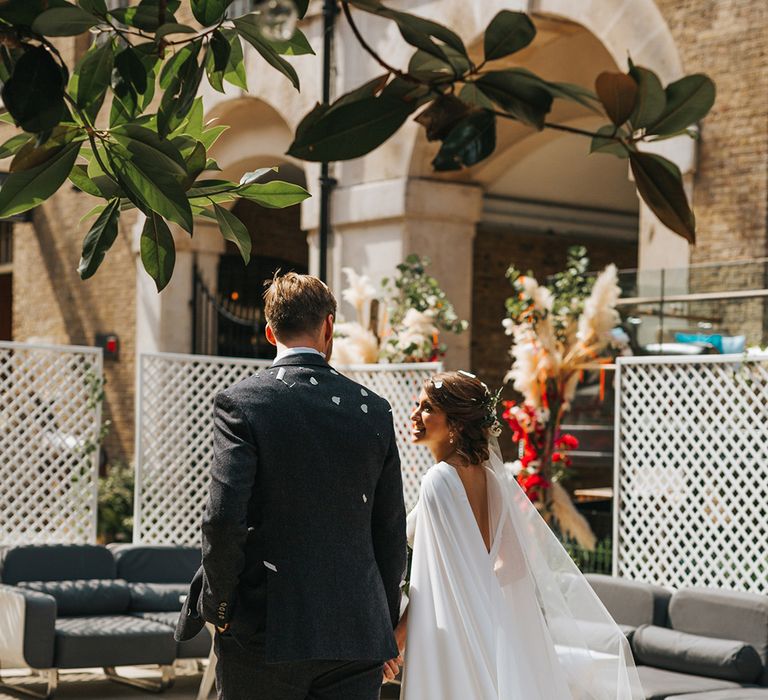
{"x":77,"y":606}
{"x":695,"y":644}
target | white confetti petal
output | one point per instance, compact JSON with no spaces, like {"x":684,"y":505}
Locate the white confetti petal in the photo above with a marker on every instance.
{"x":364,"y":408}
{"x":365,"y":498}
{"x":333,"y":371}
{"x":363,"y":392}
{"x":313,"y":381}
{"x":280,"y":374}
{"x":270,"y":566}
{"x":336,"y":400}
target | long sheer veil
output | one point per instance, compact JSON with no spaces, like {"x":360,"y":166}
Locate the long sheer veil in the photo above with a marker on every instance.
{"x":588,"y":645}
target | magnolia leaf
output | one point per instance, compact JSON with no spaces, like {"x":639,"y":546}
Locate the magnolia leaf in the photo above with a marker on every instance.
{"x":209,"y":12}
{"x":469,"y":142}
{"x":14,"y":144}
{"x":158,"y":251}
{"x":442,"y":115}
{"x":99,"y":239}
{"x":350,"y":130}
{"x":273,"y":195}
{"x":234,"y":73}
{"x":688,"y":102}
{"x":660,"y":185}
{"x":64,"y":21}
{"x":234,"y":230}
{"x":618,"y":95}
{"x":28,"y":188}
{"x":473,"y":95}
{"x":91,"y":79}
{"x":651,"y":99}
{"x":254,"y":175}
{"x":169,"y":28}
{"x":518,"y":94}
{"x":605,"y":143}
{"x":507,"y":33}
{"x":34,"y":95}
{"x":248,"y":29}
{"x":297,"y":45}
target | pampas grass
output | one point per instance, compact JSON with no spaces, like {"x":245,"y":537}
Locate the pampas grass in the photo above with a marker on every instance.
{"x":572,"y":523}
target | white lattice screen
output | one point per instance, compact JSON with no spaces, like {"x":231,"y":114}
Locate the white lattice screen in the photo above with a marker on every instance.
{"x":692,"y":471}
{"x":49,"y":427}
{"x":174,"y":434}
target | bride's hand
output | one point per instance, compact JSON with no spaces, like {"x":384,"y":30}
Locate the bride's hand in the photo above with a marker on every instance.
{"x":392,"y":668}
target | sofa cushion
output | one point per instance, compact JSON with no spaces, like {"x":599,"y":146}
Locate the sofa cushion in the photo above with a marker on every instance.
{"x":157,"y":597}
{"x":84,"y":597}
{"x":111,"y":640}
{"x":156,"y":563}
{"x":740,"y":694}
{"x":729,"y":659}
{"x":724,"y":614}
{"x":60,"y":562}
{"x":196,"y":648}
{"x":631,"y":602}
{"x":659,"y":683}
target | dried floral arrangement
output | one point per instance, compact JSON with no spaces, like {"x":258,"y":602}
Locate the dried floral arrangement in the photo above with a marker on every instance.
{"x":402,"y":324}
{"x":559,"y":331}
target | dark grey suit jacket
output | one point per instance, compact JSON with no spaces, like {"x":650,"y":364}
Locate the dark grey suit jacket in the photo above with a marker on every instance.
{"x":304,"y":528}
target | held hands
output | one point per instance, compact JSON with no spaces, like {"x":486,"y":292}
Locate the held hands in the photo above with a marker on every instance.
{"x":392,"y":667}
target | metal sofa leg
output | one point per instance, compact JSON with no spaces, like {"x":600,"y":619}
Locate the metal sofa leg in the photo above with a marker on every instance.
{"x":166,"y":679}
{"x":51,"y":677}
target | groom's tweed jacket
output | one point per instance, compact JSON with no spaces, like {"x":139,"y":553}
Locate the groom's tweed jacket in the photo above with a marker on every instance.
{"x":304,"y":527}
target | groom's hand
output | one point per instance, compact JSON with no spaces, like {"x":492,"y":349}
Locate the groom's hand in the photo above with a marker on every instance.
{"x":392,"y":668}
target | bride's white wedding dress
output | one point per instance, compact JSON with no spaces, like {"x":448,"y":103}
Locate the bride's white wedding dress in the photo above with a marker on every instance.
{"x":517,"y":623}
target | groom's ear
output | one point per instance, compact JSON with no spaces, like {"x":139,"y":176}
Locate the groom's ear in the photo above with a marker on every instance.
{"x":270,"y":335}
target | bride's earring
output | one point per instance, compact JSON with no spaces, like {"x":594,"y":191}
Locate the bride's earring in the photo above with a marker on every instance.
{"x":450,"y":438}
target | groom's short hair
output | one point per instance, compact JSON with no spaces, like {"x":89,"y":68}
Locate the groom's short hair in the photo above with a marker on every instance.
{"x":297,"y":304}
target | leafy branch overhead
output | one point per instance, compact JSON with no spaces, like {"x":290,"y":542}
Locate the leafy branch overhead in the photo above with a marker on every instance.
{"x":125,"y":124}
{"x":459,"y":103}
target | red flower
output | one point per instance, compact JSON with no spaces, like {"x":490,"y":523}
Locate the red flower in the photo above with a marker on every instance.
{"x":568,"y":441}
{"x":534,"y":485}
{"x":557,"y":457}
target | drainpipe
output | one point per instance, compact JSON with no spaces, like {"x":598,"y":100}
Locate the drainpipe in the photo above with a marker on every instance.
{"x":327,"y":183}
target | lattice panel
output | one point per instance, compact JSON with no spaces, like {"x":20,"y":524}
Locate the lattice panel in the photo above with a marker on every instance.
{"x":692,"y":472}
{"x":49,"y":427}
{"x":175,"y":434}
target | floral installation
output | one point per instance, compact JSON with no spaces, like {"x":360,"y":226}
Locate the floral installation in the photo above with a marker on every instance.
{"x":403,"y":324}
{"x":559,"y":331}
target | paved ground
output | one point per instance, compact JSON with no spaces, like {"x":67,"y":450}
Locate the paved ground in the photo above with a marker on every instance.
{"x":94,"y":685}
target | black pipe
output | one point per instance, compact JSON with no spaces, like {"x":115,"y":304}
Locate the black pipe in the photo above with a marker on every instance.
{"x":326,"y":183}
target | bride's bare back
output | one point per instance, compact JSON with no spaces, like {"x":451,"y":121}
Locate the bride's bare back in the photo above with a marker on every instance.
{"x":475,"y":481}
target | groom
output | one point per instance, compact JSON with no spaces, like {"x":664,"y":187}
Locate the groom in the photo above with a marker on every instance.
{"x":304,"y":529}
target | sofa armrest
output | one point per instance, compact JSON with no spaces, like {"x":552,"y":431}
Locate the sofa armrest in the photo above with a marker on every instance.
{"x":27,"y":628}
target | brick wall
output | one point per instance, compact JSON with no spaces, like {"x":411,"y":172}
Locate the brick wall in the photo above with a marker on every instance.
{"x":728,"y":40}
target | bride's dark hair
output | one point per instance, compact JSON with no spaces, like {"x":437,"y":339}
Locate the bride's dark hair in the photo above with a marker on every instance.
{"x":470,"y":410}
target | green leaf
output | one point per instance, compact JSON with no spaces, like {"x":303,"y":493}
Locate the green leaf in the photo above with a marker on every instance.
{"x":297,"y":45}
{"x":32,"y":154}
{"x":151,"y":174}
{"x":158,"y":251}
{"x":95,"y":7}
{"x":195,"y":161}
{"x":92,"y":78}
{"x":301,"y":6}
{"x":215,"y":77}
{"x":79,"y":178}
{"x":99,"y":239}
{"x":169,"y":28}
{"x":660,"y":185}
{"x":651,"y":100}
{"x":23,"y":12}
{"x":603,"y":144}
{"x":211,"y":135}
{"x":518,"y":94}
{"x":425,"y":66}
{"x":417,"y":32}
{"x":442,"y":115}
{"x":247,"y":28}
{"x":254,"y":175}
{"x":234,"y":73}
{"x":469,"y":142}
{"x":688,"y":102}
{"x":35,"y":93}
{"x":273,"y":195}
{"x":220,"y":49}
{"x":179,"y":97}
{"x":145,"y":16}
{"x":173,"y":65}
{"x":26,"y":189}
{"x":13,"y":145}
{"x":349,"y":131}
{"x":206,"y":188}
{"x":618,"y":94}
{"x":234,"y":230}
{"x":472,"y":95}
{"x":192,"y":125}
{"x":64,"y":21}
{"x":209,"y":12}
{"x":507,"y":33}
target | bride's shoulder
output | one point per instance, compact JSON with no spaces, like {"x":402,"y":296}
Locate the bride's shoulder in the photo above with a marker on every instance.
{"x":437,"y":480}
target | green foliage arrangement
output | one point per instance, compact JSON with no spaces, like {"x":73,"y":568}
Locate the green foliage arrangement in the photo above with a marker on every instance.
{"x":151,"y":151}
{"x":115,"y":510}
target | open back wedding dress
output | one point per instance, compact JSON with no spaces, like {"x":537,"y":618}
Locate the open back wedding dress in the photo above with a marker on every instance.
{"x":517,"y":623}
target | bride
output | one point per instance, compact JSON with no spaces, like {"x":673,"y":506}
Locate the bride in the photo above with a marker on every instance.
{"x":497,"y":610}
